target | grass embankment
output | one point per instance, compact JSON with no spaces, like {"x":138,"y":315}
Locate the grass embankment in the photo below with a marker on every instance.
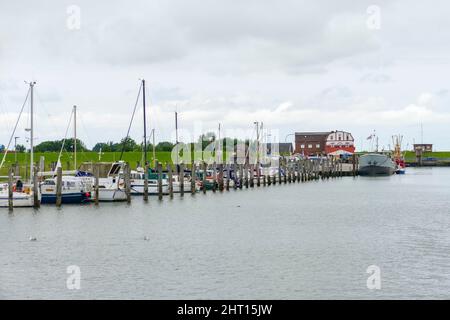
{"x":438,"y":155}
{"x":67,"y":160}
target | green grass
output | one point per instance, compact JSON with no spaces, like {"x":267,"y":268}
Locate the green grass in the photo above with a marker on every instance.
{"x":67,"y":160}
{"x":440,"y":155}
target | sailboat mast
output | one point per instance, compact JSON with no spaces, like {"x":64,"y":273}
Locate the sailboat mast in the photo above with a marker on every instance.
{"x":145,"y":122}
{"x":154,"y":148}
{"x":176,"y":131}
{"x":75,"y":136}
{"x":32,"y":83}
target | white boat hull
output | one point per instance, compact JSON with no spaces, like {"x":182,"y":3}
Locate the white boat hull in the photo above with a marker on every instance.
{"x":112,"y":194}
{"x":19,"y":199}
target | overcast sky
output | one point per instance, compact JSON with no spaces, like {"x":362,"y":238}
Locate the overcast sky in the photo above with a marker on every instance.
{"x":294,"y":65}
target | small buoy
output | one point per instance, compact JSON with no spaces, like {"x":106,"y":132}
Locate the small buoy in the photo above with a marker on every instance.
{"x":33,"y":238}
{"x":146,"y":238}
{"x":238,"y":206}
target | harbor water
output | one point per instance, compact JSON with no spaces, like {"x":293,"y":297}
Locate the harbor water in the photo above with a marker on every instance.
{"x":312,"y":240}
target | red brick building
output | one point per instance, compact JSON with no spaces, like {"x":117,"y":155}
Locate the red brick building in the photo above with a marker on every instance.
{"x":322,"y":143}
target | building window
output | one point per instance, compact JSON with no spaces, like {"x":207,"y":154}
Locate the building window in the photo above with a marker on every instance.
{"x":317,"y":145}
{"x":310,"y":146}
{"x":302,"y":146}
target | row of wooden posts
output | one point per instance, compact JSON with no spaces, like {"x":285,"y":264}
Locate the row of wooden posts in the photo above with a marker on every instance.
{"x":295,"y":171}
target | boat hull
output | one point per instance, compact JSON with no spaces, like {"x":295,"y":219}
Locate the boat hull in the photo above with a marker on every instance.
{"x":374,"y":171}
{"x":66,"y":198}
{"x":19,"y":200}
{"x":112,"y":195}
{"x":375,"y":164}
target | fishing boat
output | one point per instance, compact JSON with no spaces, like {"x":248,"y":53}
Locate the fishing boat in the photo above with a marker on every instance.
{"x":22,"y":195}
{"x":376,"y":164}
{"x":398,"y":156}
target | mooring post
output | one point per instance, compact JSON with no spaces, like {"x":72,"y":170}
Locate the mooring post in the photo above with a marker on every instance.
{"x":36,"y":202}
{"x":10,"y":189}
{"x":227,"y":183}
{"x":146,"y":182}
{"x":170,"y":177}
{"x":58,"y":186}
{"x":160,"y":189}
{"x":241,"y":176}
{"x":252,"y":176}
{"x":258,"y":174}
{"x":127,"y":180}
{"x":193,"y":177}
{"x":285,"y":171}
{"x":289,"y":169}
{"x":205,"y":167}
{"x":214,"y":168}
{"x":264,"y":180}
{"x":246,"y":175}
{"x":221,"y":183}
{"x":96,"y":190}
{"x":181,"y":179}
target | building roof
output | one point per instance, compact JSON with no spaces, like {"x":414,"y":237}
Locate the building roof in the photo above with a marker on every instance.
{"x":313,"y":133}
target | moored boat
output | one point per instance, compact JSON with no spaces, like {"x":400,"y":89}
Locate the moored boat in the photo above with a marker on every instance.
{"x":376,"y":164}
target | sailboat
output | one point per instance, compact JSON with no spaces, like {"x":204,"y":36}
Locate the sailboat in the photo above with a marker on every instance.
{"x":22,"y":196}
{"x":76,"y":185}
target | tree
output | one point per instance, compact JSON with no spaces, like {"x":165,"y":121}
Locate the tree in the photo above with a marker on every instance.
{"x":20,"y":148}
{"x":164,"y":146}
{"x":126,"y":144}
{"x":104,"y":146}
{"x":55,"y":146}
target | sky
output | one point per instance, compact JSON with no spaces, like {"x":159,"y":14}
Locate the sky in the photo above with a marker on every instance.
{"x":292,"y":65}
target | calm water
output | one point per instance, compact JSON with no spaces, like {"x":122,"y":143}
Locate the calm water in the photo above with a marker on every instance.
{"x":312,"y":240}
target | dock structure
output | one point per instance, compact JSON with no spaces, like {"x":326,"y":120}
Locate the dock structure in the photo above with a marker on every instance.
{"x":213,"y":177}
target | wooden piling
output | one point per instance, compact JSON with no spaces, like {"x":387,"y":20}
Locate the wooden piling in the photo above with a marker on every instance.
{"x":10,"y":189}
{"x":258,"y":174}
{"x":96,"y":181}
{"x":181,"y":179}
{"x":36,"y":202}
{"x":252,"y":178}
{"x":170,"y":177}
{"x":220,"y":177}
{"x":205,"y":167}
{"x":146,"y":182}
{"x":193,"y":177}
{"x":127,"y":180}
{"x":241,"y":176}
{"x":214,"y":168}
{"x":246,"y":175}
{"x":160,"y":189}
{"x":279,"y":171}
{"x":227,"y":183}
{"x":58,"y":186}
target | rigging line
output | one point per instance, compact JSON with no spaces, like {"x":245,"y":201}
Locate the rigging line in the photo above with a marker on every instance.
{"x":15,"y":127}
{"x":65,"y":137}
{"x":131,"y":121}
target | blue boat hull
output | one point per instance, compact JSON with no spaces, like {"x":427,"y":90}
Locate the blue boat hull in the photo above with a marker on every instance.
{"x":66,"y":198}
